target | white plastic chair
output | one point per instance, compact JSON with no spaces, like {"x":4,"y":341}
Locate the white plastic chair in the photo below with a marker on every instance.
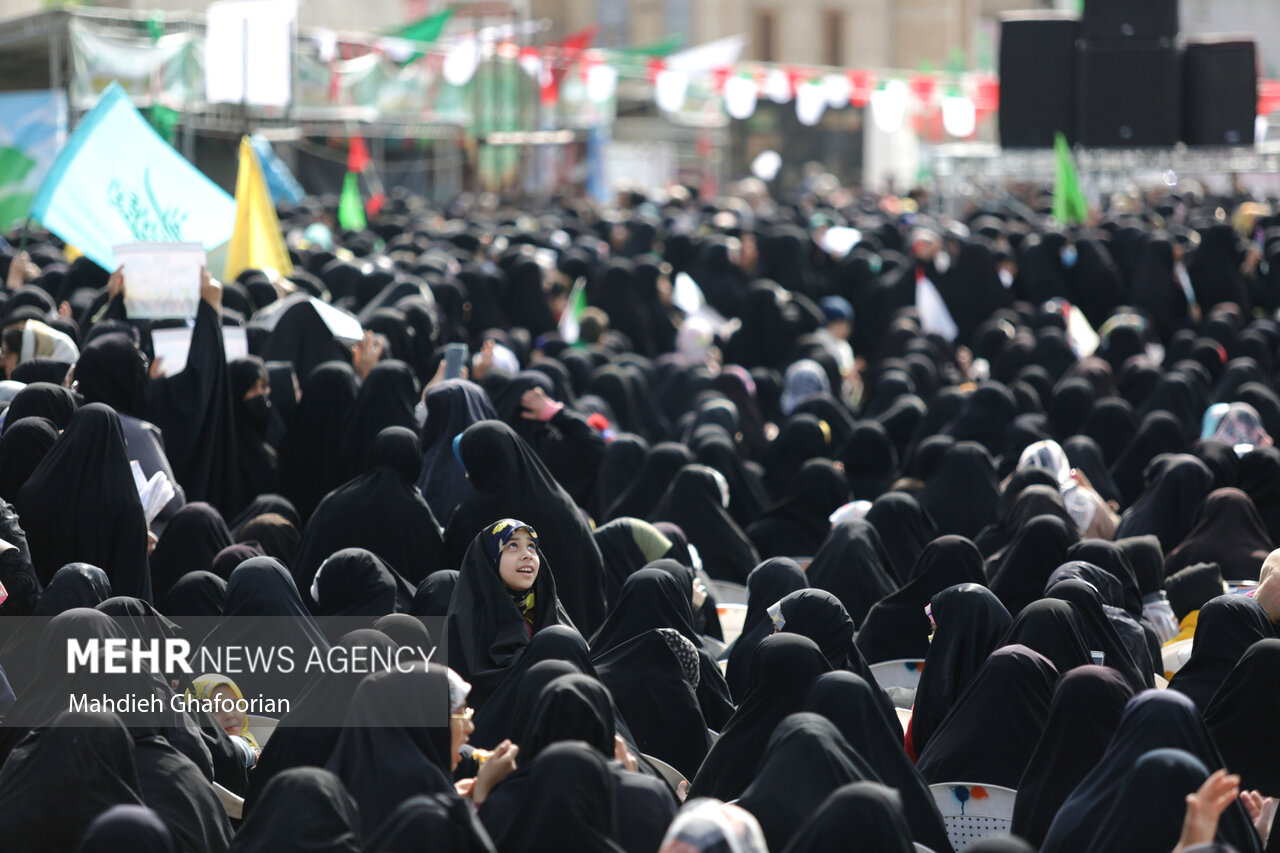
{"x":672,"y":776}
{"x":920,"y":848}
{"x":904,"y":673}
{"x":971,"y":810}
{"x":1175,"y":656}
{"x":732,"y":617}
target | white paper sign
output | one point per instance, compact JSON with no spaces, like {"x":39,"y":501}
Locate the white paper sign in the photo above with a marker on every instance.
{"x":173,"y":345}
{"x":162,"y":280}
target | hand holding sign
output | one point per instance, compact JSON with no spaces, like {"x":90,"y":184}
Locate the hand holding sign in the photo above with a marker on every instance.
{"x":165,"y":279}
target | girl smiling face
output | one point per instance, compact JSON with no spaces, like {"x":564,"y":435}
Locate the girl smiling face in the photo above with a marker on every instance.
{"x":518,"y":561}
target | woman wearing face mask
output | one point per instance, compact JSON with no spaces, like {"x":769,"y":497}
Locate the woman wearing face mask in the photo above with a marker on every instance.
{"x":251,"y":390}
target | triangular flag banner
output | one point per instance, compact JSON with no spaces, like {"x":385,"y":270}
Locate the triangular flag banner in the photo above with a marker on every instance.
{"x":116,"y":181}
{"x":425,"y":31}
{"x":256,"y":242}
{"x":350,"y":209}
{"x":1069,"y":204}
{"x":571,"y":318}
{"x":357,"y":154}
{"x":667,"y":46}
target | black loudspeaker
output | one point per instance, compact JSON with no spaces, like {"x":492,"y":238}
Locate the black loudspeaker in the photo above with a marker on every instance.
{"x":1037,"y":78}
{"x":1129,"y":95}
{"x":1221,"y":92}
{"x":1137,"y":20}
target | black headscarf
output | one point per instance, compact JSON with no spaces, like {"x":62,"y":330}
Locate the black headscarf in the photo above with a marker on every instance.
{"x":854,"y":706}
{"x":1259,"y":478}
{"x":905,"y":529}
{"x":258,"y":465}
{"x":42,"y":400}
{"x":782,"y":672}
{"x":748,"y":499}
{"x":798,"y":524}
{"x":1227,"y":626}
{"x":622,"y":463}
{"x":994,"y":726}
{"x":971,"y":622}
{"x":649,"y":677}
{"x":897,"y":627}
{"x":870,"y":461}
{"x":81,"y":504}
{"x":191,"y":539}
{"x":1039,"y":548}
{"x":1153,"y":719}
{"x":302,"y":808}
{"x":805,"y":760}
{"x":396,"y":741}
{"x":569,"y":804}
{"x":694,"y":502}
{"x":452,"y":406}
{"x":511,"y":482}
{"x":1244,"y":707}
{"x":961,"y":494}
{"x":195,"y":598}
{"x":853,"y":565}
{"x":306,"y":735}
{"x":487,"y":632}
{"x":22,"y":447}
{"x":627,"y":544}
{"x":311,"y":463}
{"x":179,"y":791}
{"x":357,"y":585}
{"x":876,"y":810}
{"x":381,"y":511}
{"x":768,"y":583}
{"x":1086,"y":708}
{"x":1147,"y":815}
{"x":73,"y":585}
{"x":431,"y":598}
{"x":1228,"y":531}
{"x":112,"y":370}
{"x":387,"y":398}
{"x":1101,"y":634}
{"x":448,"y":821}
{"x":1178,"y":484}
{"x":642,"y":497}
{"x":62,"y":777}
{"x":1158,"y":433}
{"x":127,"y":827}
{"x":263,"y":610}
{"x":1054,"y":629}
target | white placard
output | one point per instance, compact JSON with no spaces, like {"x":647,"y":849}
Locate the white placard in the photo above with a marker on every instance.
{"x":247,"y":51}
{"x":173,"y":345}
{"x":162,"y":280}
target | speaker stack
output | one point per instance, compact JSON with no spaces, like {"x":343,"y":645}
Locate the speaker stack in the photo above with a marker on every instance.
{"x":1118,"y":77}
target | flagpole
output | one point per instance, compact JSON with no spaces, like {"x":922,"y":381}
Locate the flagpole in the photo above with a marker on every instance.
{"x":22,"y":241}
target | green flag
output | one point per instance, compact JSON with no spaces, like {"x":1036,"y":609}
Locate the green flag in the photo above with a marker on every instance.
{"x":657,"y":49}
{"x":1069,"y":204}
{"x":425,"y":31}
{"x":350,"y":208}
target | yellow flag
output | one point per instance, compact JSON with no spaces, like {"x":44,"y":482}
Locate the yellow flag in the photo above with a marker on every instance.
{"x":256,"y":242}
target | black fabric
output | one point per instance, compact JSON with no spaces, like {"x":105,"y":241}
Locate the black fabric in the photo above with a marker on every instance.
{"x":302,"y":809}
{"x":22,"y":447}
{"x":642,"y":497}
{"x":1039,"y":548}
{"x":487,"y":633}
{"x":1085,"y":711}
{"x":768,"y":583}
{"x":1258,"y":475}
{"x":511,"y":482}
{"x":194,"y":411}
{"x":715,"y":448}
{"x":197,"y":597}
{"x":622,"y":463}
{"x":452,"y":406}
{"x":876,"y":810}
{"x":1158,"y":433}
{"x":311,"y":464}
{"x":62,"y":777}
{"x":971,"y":622}
{"x":41,"y":400}
{"x":192,"y":538}
{"x":1101,"y":634}
{"x":805,"y":760}
{"x":1227,"y":626}
{"x":357,"y":586}
{"x":654,"y":695}
{"x":74,"y":585}
{"x":853,"y":704}
{"x":1147,"y":816}
{"x":1154,"y":719}
{"x":450,"y":822}
{"x":897,"y":627}
{"x":112,"y":370}
{"x":620,"y":544}
{"x":127,"y":827}
{"x":569,"y":805}
{"x":995,"y":724}
{"x":1240,"y":713}
{"x":905,"y":529}
{"x":1054,"y":629}
{"x":798,"y":524}
{"x":81,"y":504}
{"x":386,"y":398}
{"x":395,"y":742}
{"x":782,"y":672}
{"x":431,"y":598}
{"x":870,"y":461}
{"x":1228,"y":531}
{"x":694,"y":503}
{"x":263,"y":609}
{"x":852,"y":564}
{"x":961,"y":494}
{"x":259,"y":467}
{"x":1194,"y":586}
{"x":1167,"y":508}
{"x":174,"y":786}
{"x":306,"y":735}
{"x":380,"y":511}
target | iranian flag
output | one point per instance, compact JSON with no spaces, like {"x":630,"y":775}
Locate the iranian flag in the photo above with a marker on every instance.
{"x":571,"y":317}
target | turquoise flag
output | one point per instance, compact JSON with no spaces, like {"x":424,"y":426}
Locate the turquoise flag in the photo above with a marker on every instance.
{"x":117,"y":181}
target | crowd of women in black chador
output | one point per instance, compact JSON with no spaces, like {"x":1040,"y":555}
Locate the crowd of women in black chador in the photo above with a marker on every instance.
{"x":1030,"y":457}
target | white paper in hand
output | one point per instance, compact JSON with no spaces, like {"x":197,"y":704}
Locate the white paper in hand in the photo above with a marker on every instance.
{"x":162,"y":280}
{"x":935,"y":318}
{"x":154,"y":493}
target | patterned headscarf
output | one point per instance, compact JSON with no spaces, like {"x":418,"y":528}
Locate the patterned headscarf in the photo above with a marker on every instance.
{"x":684,"y":651}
